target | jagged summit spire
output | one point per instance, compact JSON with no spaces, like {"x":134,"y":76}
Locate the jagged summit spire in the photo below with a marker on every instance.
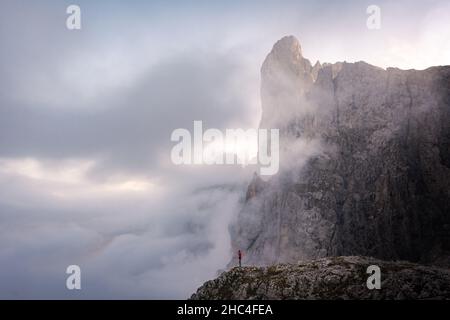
{"x":287,"y":47}
{"x":285,"y":78}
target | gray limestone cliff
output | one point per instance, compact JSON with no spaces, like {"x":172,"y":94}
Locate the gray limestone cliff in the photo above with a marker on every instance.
{"x":364,"y":163}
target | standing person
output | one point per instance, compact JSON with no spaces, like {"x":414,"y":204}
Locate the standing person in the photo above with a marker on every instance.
{"x":240,"y":257}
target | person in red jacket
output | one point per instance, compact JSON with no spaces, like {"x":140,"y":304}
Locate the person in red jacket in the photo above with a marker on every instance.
{"x":240,"y":257}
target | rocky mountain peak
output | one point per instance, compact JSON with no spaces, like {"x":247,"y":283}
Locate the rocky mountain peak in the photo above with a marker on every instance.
{"x":287,"y":48}
{"x":286,"y":77}
{"x":364,"y":164}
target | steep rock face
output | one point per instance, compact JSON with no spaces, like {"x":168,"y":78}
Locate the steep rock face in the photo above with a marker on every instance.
{"x":329,"y":278}
{"x":365,"y":163}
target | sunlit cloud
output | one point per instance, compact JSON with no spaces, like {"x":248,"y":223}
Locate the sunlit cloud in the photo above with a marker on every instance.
{"x":70,"y":178}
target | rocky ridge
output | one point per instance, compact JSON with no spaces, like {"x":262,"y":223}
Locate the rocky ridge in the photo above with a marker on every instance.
{"x":328,"y":278}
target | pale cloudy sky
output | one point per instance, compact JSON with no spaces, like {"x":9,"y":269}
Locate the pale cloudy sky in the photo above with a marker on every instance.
{"x":86,"y":118}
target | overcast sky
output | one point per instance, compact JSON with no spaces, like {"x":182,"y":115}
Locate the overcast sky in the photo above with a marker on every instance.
{"x":86,"y":118}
